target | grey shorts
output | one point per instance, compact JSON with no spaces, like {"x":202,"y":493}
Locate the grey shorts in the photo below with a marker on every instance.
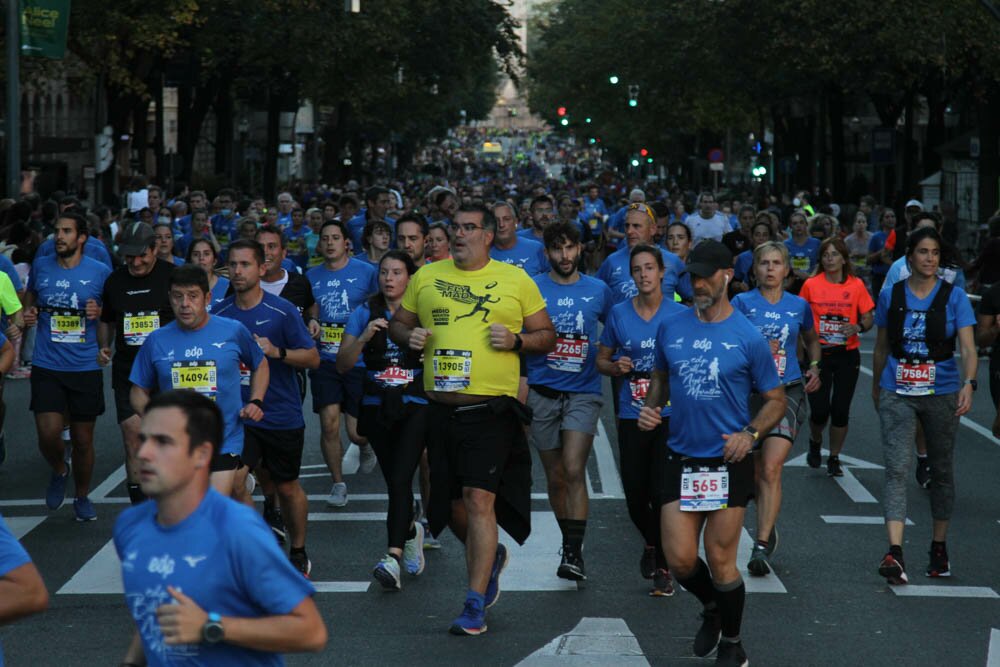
{"x":570,"y":412}
{"x":795,"y":412}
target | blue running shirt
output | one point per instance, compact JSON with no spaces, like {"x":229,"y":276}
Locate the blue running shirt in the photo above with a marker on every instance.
{"x":616,"y":273}
{"x":631,"y":336}
{"x":338,"y":294}
{"x":575,"y":311}
{"x":713,"y":368}
{"x":66,"y":339}
{"x":803,"y":257}
{"x":782,"y":321}
{"x":206,"y":360}
{"x":526,"y":254}
{"x":224,"y":557}
{"x":12,"y":556}
{"x":279,"y":321}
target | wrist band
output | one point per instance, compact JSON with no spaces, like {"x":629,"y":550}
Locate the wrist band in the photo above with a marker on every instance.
{"x":259,"y":403}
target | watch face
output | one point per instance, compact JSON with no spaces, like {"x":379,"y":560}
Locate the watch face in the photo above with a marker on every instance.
{"x":212,"y":632}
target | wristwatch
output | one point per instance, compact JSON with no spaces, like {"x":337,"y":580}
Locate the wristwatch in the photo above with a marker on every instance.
{"x":282,"y":353}
{"x":753,"y":434}
{"x":212,"y":632}
{"x":973,"y":382}
{"x":518,"y":342}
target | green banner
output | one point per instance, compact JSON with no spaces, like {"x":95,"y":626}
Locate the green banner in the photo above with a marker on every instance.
{"x":44,"y":24}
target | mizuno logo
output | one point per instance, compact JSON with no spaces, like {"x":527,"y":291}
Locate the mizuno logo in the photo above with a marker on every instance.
{"x":194,"y":560}
{"x":729,"y":346}
{"x":219,"y":345}
{"x":84,"y":282}
{"x":587,"y":299}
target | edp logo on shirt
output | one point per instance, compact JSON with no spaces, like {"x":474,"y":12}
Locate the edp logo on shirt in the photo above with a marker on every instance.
{"x":163,"y":566}
{"x":702,"y":344}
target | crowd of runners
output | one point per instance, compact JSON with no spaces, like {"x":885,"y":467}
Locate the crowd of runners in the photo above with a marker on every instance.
{"x":447,"y":328}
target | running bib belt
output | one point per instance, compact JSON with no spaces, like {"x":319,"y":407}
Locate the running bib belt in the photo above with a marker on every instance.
{"x":570,"y":352}
{"x":452,"y":369}
{"x":780,"y":363}
{"x":199,"y":376}
{"x":330,"y":337}
{"x":915,"y":378}
{"x":831,"y":329}
{"x":137,"y":326}
{"x":244,"y":375}
{"x":704,"y":489}
{"x":67,"y":327}
{"x":394,"y":376}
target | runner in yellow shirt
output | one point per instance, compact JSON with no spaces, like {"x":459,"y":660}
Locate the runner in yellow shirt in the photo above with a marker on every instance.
{"x":471,"y":316}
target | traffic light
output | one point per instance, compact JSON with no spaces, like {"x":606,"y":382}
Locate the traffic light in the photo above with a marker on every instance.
{"x":564,"y":122}
{"x":635,"y":163}
{"x":649,"y":160}
{"x":633,"y":95}
{"x":587,"y":119}
{"x":613,"y":79}
{"x":561,"y":111}
{"x":643,"y":152}
{"x":759,"y":171}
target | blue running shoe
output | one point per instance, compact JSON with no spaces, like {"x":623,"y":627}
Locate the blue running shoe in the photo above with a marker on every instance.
{"x":493,"y":587}
{"x":84,"y":509}
{"x":56,"y":493}
{"x":473,"y":619}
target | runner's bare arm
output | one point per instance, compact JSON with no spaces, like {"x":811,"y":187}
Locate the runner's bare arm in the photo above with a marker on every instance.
{"x":139,"y":398}
{"x":134,"y":654}
{"x":539,"y":335}
{"x":405,"y":329}
{"x":22,"y":592}
{"x":657,"y":395}
{"x":879,"y":356}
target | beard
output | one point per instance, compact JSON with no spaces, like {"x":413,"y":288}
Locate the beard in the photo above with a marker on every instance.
{"x":564,"y":274}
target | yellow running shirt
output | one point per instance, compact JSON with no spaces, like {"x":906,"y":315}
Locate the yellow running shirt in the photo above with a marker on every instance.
{"x":458,"y":307}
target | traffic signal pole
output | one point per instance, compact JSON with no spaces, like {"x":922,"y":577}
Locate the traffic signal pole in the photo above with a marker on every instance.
{"x":13,"y":125}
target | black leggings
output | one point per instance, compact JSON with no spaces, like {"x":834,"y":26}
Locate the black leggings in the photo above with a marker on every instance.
{"x":398,"y":447}
{"x":642,"y":456}
{"x":838,"y":375}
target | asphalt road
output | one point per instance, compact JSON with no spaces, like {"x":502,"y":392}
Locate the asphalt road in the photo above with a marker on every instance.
{"x":824,"y":605}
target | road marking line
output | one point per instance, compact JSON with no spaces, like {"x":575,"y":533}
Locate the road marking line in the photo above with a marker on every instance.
{"x":108,"y":485}
{"x":857,"y":520}
{"x":767,"y":584}
{"x":100,"y":575}
{"x":611,"y":482}
{"x":854,"y":489}
{"x":911,"y":590}
{"x":22,"y":525}
{"x":593,"y":641}
{"x":993,"y":652}
{"x":964,"y":421}
{"x":341,"y":586}
{"x":800,"y":461}
{"x":347,"y":516}
{"x":533,"y":566}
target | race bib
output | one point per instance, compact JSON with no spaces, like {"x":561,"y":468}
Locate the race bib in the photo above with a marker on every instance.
{"x":296,"y":246}
{"x":594,"y":224}
{"x":800,"y":263}
{"x":704,"y":489}
{"x":570,"y":352}
{"x":831,"y":329}
{"x":244,"y":375}
{"x":638,"y":387}
{"x":136,"y":327}
{"x":780,"y":362}
{"x":452,"y":369}
{"x":67,"y":327}
{"x":330,"y":336}
{"x":915,"y":378}
{"x":394,"y":376}
{"x":860,"y":261}
{"x":199,"y":376}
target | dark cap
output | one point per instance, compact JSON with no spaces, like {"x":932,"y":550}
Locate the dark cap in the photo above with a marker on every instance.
{"x":708,"y":257}
{"x":136,"y":238}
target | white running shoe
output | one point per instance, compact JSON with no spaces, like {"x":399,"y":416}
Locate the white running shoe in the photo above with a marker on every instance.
{"x":366,"y":459}
{"x":338,"y":495}
{"x":413,"y":551}
{"x":386,"y":572}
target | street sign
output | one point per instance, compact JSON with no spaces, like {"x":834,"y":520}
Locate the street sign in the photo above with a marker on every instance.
{"x":717,"y":166}
{"x":715,"y":155}
{"x":44,"y":24}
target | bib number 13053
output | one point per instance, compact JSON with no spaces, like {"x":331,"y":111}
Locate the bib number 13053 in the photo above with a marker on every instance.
{"x":704,"y":489}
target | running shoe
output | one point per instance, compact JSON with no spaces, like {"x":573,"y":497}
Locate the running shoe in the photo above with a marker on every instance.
{"x":814,"y":457}
{"x":493,"y":587}
{"x":84,"y":509}
{"x":430,"y":542}
{"x":56,"y":493}
{"x":386,"y":572}
{"x":273,"y":518}
{"x":301,"y":562}
{"x":413,"y":551}
{"x":366,"y":459}
{"x":22,"y":373}
{"x":3,"y":447}
{"x":923,"y":472}
{"x":772,"y":541}
{"x":759,"y":565}
{"x":663,"y":584}
{"x":709,"y":633}
{"x":67,"y":450}
{"x":338,"y":495}
{"x":833,"y":468}
{"x":472,"y":621}
{"x":731,"y":654}
{"x":892,"y":569}
{"x":647,"y":564}
{"x":571,"y":566}
{"x":938,"y":566}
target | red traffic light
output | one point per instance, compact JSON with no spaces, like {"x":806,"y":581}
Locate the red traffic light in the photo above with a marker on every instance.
{"x":643,"y":152}
{"x":561,"y":111}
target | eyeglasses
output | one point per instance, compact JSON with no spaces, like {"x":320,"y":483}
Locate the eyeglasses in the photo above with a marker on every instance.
{"x":467,"y":228}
